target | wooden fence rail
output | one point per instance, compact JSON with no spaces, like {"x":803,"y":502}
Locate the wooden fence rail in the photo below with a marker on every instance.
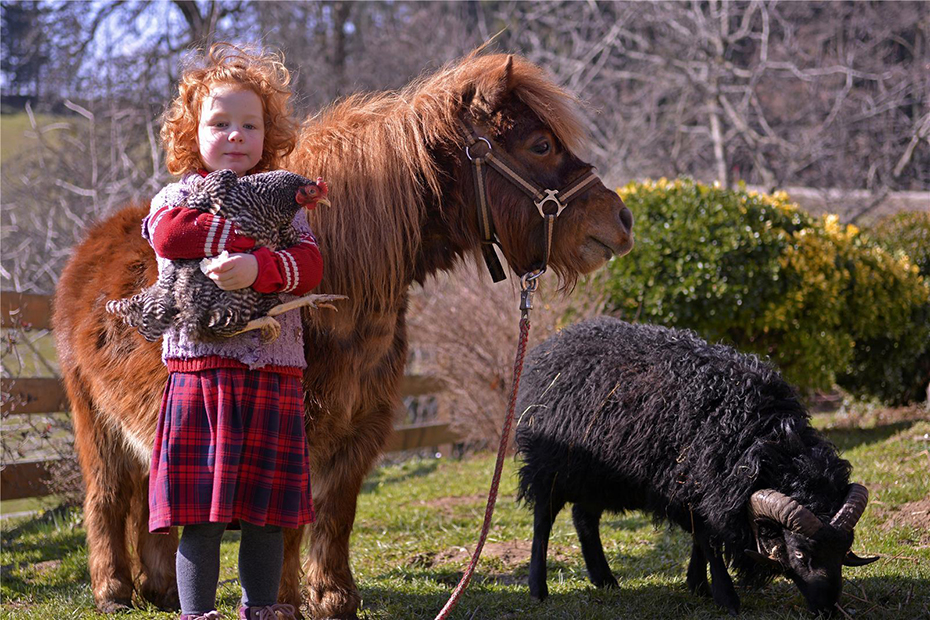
{"x":42,"y":395}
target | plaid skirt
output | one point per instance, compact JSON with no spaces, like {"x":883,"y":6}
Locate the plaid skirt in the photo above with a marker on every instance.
{"x":230,"y":445}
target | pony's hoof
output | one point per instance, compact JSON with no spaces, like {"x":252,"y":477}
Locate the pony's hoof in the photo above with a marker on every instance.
{"x":116,"y":606}
{"x":333,"y":604}
{"x":163,"y":599}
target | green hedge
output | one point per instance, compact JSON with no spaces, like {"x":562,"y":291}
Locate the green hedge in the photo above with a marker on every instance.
{"x":755,"y":271}
{"x":869,"y":373}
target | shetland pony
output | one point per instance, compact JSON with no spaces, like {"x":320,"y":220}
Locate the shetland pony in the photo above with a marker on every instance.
{"x":404,"y":208}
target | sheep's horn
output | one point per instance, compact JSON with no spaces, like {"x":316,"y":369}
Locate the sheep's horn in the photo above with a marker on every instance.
{"x":764,"y":560}
{"x":846,"y":517}
{"x":852,"y":559}
{"x":782,"y":509}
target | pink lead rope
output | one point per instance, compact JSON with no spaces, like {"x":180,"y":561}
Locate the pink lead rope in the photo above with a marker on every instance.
{"x":528,"y":283}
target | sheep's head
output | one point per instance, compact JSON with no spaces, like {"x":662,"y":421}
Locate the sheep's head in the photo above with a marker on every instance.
{"x":792,"y":540}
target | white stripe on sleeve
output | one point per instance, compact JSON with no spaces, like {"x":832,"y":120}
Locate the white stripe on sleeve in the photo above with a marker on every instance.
{"x":211,"y":234}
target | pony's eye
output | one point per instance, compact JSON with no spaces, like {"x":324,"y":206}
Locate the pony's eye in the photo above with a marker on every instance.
{"x":799,"y":555}
{"x":541,"y":148}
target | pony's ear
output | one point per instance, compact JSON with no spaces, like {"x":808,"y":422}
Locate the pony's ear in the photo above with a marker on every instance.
{"x":489,"y":91}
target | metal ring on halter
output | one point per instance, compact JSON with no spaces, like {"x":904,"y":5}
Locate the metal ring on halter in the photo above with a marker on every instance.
{"x":468,"y":148}
{"x":552,"y":195}
{"x":528,"y":280}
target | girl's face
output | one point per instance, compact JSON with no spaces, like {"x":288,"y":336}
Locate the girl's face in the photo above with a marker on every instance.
{"x":231,"y":130}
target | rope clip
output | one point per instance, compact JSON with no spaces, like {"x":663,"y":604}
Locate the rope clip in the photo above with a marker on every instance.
{"x":529,"y":282}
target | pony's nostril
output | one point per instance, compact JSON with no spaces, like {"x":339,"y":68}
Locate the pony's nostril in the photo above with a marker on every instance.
{"x":626,"y":219}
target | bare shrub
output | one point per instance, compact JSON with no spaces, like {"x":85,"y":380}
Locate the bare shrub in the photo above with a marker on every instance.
{"x":74,"y":172}
{"x":465,"y":330}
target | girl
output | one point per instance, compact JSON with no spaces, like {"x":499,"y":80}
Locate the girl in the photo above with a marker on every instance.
{"x":230,"y":443}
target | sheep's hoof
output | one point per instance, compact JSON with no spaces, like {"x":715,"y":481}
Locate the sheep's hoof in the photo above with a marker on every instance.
{"x":700,"y":589}
{"x":730,"y":603}
{"x":539,"y":593}
{"x":609,"y":583}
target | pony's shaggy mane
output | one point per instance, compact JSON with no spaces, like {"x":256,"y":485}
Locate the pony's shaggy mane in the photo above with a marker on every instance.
{"x":385,"y":147}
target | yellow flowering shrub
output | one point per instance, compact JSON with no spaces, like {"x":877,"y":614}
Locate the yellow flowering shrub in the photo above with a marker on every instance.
{"x":757,"y":272}
{"x":888,"y":363}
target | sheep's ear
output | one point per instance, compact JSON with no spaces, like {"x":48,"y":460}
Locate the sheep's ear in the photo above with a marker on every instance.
{"x":489,"y":92}
{"x":211,"y":192}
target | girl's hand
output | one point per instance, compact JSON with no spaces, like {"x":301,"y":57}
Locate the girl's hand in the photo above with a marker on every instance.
{"x":236,"y":272}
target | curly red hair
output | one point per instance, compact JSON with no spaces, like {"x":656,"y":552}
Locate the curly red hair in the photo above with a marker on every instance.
{"x":263,"y":73}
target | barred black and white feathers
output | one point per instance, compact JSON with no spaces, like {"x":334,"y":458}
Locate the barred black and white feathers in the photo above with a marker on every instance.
{"x":261,"y":206}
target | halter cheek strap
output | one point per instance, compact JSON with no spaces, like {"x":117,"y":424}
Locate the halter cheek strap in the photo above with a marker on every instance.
{"x":549,"y":202}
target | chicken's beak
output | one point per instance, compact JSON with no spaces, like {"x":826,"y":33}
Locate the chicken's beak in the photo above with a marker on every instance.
{"x":324,"y":202}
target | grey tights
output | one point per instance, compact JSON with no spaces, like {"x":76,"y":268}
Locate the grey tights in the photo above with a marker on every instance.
{"x":261,"y":553}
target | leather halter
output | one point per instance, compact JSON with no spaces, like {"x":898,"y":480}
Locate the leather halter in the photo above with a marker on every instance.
{"x":550,"y":203}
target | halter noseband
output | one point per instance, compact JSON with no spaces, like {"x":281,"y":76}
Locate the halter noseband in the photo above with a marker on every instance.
{"x":549,"y":202}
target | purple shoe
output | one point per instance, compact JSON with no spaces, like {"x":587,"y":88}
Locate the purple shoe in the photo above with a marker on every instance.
{"x":278,"y":611}
{"x":210,"y":615}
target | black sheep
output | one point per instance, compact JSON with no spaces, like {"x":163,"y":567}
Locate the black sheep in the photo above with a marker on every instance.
{"x":638,"y":417}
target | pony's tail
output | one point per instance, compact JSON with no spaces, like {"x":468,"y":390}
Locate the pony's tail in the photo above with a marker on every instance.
{"x":149,"y":315}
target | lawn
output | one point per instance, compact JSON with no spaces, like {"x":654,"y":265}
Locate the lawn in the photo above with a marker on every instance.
{"x":417,"y":523}
{"x":14,"y":141}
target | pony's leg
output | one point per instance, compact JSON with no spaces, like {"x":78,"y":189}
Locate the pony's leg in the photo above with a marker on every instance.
{"x":105,"y":466}
{"x":156,"y":552}
{"x":588,"y":525}
{"x":289,"y":592}
{"x":337,"y":481}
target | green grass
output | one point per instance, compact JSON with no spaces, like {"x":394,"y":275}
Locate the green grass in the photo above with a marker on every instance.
{"x":407,"y":550}
{"x":13,"y":128}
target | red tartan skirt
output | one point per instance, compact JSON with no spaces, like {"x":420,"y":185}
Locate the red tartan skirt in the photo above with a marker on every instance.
{"x":230,"y":445}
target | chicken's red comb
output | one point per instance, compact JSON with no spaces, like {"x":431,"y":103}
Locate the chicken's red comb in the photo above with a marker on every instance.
{"x":308,"y":195}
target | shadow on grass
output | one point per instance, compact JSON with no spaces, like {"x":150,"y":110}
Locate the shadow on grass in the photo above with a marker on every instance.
{"x":849,"y":438}
{"x":494,"y":596}
{"x":52,"y":517}
{"x":382,"y":477}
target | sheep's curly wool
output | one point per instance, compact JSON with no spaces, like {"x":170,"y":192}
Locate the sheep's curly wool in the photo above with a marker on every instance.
{"x":641,"y":417}
{"x":262,"y":206}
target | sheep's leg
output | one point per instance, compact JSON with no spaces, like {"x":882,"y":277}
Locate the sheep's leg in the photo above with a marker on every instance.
{"x":697,"y":571}
{"x":587,"y":524}
{"x":544,"y":515}
{"x":721,"y":587}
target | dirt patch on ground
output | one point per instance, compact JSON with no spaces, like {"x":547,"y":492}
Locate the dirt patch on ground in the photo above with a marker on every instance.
{"x":912,"y":514}
{"x":866,"y":417}
{"x":46,"y":566}
{"x":447,"y":505}
{"x":504,"y":562}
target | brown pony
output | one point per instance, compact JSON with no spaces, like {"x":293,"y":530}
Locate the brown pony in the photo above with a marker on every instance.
{"x":403,"y":209}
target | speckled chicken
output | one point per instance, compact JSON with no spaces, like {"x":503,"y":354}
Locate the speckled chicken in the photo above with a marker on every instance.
{"x":261,"y":206}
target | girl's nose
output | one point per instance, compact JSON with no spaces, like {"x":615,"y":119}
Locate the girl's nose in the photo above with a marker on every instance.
{"x":235,"y":135}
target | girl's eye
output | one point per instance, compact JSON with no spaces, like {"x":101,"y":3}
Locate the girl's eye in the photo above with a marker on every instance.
{"x":541,"y":148}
